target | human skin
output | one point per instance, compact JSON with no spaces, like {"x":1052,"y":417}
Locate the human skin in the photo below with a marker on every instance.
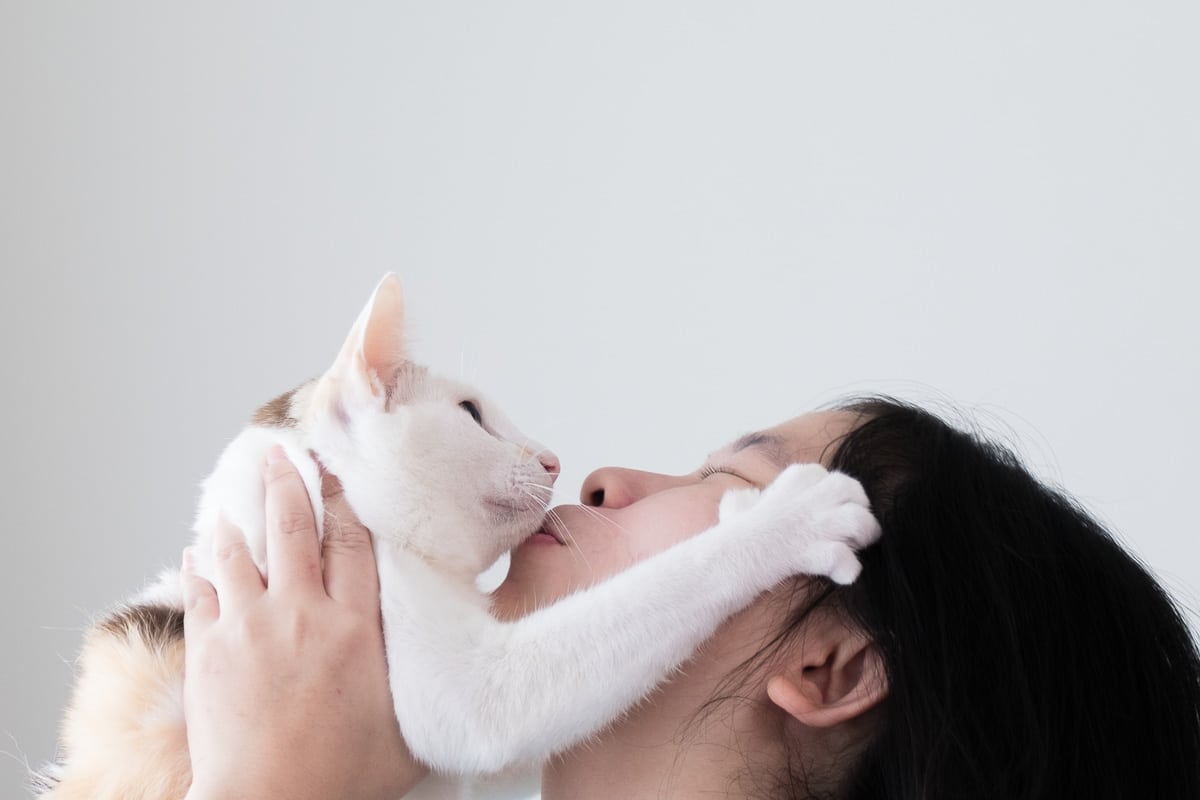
{"x":644,"y":513}
{"x":286,"y":691}
{"x":629,"y":515}
{"x":814,"y":698}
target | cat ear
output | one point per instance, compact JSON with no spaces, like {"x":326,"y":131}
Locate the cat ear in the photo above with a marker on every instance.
{"x":367,"y":367}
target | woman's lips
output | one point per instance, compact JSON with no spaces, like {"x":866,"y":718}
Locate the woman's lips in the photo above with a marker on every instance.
{"x":546,"y":535}
{"x":543,"y":538}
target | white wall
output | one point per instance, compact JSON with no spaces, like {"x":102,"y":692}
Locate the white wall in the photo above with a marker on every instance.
{"x":646,"y":227}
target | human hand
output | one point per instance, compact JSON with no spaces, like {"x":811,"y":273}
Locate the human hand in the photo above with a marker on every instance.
{"x":810,"y":520}
{"x":286,"y":691}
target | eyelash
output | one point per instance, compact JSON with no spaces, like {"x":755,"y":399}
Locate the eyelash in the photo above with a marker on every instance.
{"x":713,"y":470}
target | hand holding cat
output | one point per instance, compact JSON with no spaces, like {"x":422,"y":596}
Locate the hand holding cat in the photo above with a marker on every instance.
{"x":286,"y":689}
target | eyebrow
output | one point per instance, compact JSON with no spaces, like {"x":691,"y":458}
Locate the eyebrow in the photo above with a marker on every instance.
{"x":772,"y":446}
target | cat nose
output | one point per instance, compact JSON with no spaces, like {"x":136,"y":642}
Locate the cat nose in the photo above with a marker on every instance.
{"x":550,"y":463}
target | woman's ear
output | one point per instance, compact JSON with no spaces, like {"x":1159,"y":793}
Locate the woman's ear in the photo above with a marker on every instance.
{"x":837,"y":676}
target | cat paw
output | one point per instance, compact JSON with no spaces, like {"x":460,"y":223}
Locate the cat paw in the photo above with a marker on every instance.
{"x":819,"y":520}
{"x":736,"y":502}
{"x":798,"y":479}
{"x":793,"y":480}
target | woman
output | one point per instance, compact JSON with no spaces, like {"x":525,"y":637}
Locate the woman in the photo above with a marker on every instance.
{"x":997,"y":644}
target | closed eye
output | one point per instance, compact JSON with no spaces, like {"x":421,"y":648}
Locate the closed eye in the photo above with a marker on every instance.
{"x":473,"y":410}
{"x":712,"y":469}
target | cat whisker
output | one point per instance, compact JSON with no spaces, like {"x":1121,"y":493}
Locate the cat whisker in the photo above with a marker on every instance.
{"x":18,"y":756}
{"x":462,"y":365}
{"x":540,"y":493}
{"x":606,"y":520}
{"x":525,"y":491}
{"x":562,"y":526}
{"x":532,"y":485}
{"x":537,"y":491}
{"x":331,"y":516}
{"x":578,"y":553}
{"x":528,"y":455}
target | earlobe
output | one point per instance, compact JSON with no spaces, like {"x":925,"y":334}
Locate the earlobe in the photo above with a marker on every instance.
{"x":788,"y":694}
{"x":832,"y":685}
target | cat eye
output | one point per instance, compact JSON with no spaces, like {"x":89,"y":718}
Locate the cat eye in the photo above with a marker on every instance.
{"x":473,"y":410}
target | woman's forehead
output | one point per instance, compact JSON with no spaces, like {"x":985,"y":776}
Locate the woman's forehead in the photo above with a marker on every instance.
{"x":807,"y":438}
{"x":803,"y":439}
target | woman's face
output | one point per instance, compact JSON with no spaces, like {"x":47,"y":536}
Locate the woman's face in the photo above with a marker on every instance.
{"x":628,"y":515}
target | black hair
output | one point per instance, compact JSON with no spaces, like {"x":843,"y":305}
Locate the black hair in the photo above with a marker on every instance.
{"x":1028,"y":654}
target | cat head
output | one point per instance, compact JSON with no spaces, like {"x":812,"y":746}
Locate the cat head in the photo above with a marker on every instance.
{"x":427,"y":463}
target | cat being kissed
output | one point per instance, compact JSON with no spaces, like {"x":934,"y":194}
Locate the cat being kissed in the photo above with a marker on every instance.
{"x":446,"y":484}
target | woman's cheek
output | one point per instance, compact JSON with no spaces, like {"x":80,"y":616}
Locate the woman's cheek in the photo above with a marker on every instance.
{"x":678,"y":527}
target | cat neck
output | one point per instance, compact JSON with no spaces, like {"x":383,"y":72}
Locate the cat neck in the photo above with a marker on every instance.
{"x":405,"y":571}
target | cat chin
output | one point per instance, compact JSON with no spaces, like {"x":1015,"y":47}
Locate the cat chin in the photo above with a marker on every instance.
{"x":519,"y":534}
{"x":510,"y":525}
{"x":507,"y":506}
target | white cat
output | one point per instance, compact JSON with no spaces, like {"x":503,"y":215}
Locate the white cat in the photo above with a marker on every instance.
{"x":447,"y":484}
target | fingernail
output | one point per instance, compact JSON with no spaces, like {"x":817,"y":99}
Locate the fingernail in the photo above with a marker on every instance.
{"x":275,"y":454}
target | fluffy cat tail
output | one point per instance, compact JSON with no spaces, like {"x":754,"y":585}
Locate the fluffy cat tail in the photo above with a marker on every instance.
{"x":123,"y":735}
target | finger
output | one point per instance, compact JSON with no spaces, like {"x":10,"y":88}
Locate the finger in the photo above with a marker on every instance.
{"x":293,"y":552}
{"x":349,"y":554}
{"x":235,"y":575}
{"x":200,"y":607}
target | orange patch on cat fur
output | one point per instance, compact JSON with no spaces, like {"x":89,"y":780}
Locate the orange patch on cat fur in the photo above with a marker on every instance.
{"x":130,"y":687}
{"x":277,"y":413}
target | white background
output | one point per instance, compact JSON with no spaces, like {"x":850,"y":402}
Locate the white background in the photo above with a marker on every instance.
{"x":643,"y":227}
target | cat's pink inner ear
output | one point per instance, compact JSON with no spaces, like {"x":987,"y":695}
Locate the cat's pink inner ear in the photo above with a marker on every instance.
{"x":382,"y":351}
{"x":365,"y":369}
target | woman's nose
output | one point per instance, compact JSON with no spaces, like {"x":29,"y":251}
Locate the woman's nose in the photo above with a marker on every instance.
{"x":617,"y":487}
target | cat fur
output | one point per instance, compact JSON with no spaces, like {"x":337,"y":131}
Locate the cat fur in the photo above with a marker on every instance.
{"x":444,"y":496}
